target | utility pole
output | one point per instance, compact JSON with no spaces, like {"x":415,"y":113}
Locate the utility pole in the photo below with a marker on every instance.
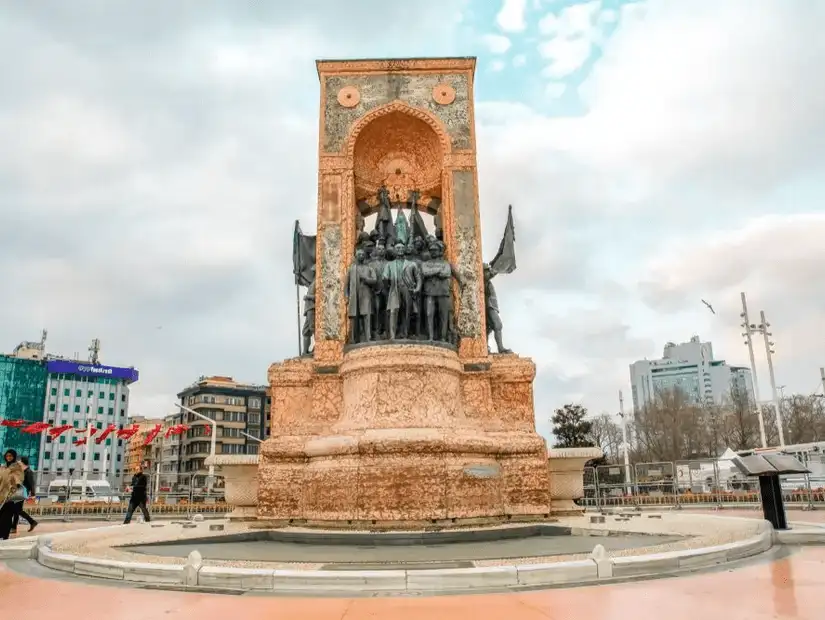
{"x":749,"y":341}
{"x":624,"y":444}
{"x":822,"y":377}
{"x":762,"y":328}
{"x":87,"y":460}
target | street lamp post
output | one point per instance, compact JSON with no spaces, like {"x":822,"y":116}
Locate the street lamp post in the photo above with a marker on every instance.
{"x":624,"y":444}
{"x":754,"y":377}
{"x":214,"y":437}
{"x":762,"y":328}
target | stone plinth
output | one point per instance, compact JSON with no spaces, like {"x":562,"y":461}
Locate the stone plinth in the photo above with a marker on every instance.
{"x":241,"y":483}
{"x":412,"y":441}
{"x":566,"y":472}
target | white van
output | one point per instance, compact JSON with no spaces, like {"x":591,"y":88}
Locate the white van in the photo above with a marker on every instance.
{"x":96,"y":491}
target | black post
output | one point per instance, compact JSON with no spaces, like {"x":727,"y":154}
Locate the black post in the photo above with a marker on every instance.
{"x":773,"y":507}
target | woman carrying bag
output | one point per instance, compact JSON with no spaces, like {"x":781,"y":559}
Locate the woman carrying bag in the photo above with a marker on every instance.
{"x":12,"y":491}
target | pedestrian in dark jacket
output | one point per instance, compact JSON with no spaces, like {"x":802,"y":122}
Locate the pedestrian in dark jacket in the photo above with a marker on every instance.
{"x":140,"y":496}
{"x":28,"y":482}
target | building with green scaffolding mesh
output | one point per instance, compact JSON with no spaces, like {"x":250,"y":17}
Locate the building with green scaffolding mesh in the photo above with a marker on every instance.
{"x":22,"y":397}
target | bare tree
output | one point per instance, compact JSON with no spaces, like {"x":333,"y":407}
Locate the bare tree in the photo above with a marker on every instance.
{"x":671,"y":428}
{"x":606,"y":434}
{"x":740,"y":426}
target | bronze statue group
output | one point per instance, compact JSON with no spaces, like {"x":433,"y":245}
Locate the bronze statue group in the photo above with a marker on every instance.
{"x":398,"y":288}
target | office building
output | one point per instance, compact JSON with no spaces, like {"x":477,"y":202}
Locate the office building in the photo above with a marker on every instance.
{"x":80,"y":394}
{"x":238,"y":410}
{"x":691,"y":368}
{"x":67,"y":392}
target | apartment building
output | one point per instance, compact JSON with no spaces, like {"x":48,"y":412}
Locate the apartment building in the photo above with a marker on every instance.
{"x":238,"y":411}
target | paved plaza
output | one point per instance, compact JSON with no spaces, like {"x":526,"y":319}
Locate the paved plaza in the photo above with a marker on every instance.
{"x":785,"y":589}
{"x":762,"y":589}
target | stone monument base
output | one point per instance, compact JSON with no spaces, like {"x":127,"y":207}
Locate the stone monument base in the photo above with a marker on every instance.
{"x":403,"y":434}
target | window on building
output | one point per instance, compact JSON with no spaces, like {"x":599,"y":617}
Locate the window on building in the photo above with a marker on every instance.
{"x":99,"y":425}
{"x":63,"y":439}
{"x":254,"y":403}
{"x":52,"y":406}
{"x":111,"y":411}
{"x":111,"y":396}
{"x":118,"y":457}
{"x":90,"y":394}
{"x":96,"y":456}
{"x":77,"y":408}
{"x":47,"y":455}
{"x":72,"y":455}
{"x":60,"y":456}
{"x":66,"y":392}
{"x":123,"y":398}
{"x":122,"y":412}
{"x":100,"y":410}
{"x":252,"y":448}
{"x":54,"y":391}
{"x":102,"y":395}
{"x":65,"y":407}
{"x":253,"y":418}
{"x":78,"y":393}
{"x":108,"y":442}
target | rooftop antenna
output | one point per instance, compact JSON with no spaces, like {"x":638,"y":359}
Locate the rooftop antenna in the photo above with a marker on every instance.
{"x":43,"y":335}
{"x":94,"y":351}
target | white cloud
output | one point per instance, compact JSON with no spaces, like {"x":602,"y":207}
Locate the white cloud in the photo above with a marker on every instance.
{"x":496,"y":43}
{"x":573,"y":20}
{"x":573,"y":31}
{"x":497,"y":65}
{"x":519,"y":60}
{"x":687,"y":129}
{"x":778,"y":261}
{"x":565,"y":55}
{"x":554,"y":90}
{"x":511,"y":16}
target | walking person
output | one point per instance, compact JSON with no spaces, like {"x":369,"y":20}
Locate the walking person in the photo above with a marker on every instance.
{"x":28,"y":483}
{"x":12,"y":491}
{"x":140,"y":484}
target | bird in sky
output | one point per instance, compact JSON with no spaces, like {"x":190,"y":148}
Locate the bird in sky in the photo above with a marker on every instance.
{"x":709,"y":306}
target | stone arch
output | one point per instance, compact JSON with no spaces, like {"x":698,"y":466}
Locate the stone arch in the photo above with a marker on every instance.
{"x":398,"y":106}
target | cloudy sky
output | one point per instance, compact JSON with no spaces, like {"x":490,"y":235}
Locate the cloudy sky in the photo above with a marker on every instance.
{"x":155,"y":154}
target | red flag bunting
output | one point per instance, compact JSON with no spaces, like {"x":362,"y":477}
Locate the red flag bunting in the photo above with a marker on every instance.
{"x":34,"y":429}
{"x":109,"y":430}
{"x":13,"y":423}
{"x":150,"y":436}
{"x":80,"y":442}
{"x":57,"y":431}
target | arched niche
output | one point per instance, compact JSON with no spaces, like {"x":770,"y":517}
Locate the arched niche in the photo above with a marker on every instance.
{"x":403,"y":148}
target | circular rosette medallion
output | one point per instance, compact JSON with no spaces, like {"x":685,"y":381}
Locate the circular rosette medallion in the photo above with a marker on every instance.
{"x":444,"y":94}
{"x":349,"y":96}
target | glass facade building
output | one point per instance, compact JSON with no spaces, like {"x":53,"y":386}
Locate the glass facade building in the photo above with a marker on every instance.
{"x":22,"y":397}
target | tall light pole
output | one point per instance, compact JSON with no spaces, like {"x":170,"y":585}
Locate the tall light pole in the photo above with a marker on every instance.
{"x":624,"y":444}
{"x":749,"y":341}
{"x":762,"y":328}
{"x":214,"y":436}
{"x":87,"y":460}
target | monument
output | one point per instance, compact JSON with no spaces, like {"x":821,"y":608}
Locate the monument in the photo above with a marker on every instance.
{"x":400,"y":415}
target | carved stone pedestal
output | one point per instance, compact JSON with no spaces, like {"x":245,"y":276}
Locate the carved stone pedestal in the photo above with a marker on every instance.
{"x":407,"y":446}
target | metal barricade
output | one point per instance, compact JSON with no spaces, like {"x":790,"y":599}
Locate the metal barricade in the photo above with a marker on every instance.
{"x":655,"y":485}
{"x":697,"y":483}
{"x":590,"y":486}
{"x":615,"y":486}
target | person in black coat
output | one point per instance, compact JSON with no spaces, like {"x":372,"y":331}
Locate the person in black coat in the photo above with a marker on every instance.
{"x":140,"y":496}
{"x":28,"y":482}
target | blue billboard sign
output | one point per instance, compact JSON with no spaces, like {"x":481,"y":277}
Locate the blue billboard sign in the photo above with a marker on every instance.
{"x":86,"y":369}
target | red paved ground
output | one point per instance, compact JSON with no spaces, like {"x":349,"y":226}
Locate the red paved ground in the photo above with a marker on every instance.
{"x":786,"y":589}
